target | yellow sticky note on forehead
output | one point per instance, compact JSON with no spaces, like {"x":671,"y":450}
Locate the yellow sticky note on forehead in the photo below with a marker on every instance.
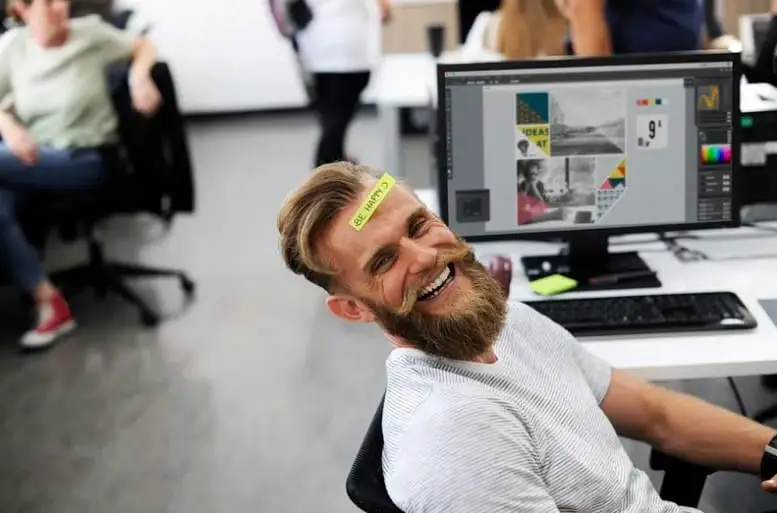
{"x":374,"y":199}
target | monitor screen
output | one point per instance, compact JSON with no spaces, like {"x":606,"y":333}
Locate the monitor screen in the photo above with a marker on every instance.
{"x":621,"y":145}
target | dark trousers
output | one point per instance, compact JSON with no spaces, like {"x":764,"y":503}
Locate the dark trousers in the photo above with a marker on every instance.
{"x":55,"y":170}
{"x":337,"y":98}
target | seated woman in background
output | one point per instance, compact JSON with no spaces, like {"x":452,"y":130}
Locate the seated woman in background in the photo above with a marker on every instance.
{"x":56,"y":114}
{"x":519,"y":29}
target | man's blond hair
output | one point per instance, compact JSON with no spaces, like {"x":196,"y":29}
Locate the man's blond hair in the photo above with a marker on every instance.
{"x":309,"y":210}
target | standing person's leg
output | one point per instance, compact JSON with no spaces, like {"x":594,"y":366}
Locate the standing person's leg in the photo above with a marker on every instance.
{"x":354,"y":85}
{"x":345,"y":91}
{"x":55,"y":170}
{"x":325,"y":85}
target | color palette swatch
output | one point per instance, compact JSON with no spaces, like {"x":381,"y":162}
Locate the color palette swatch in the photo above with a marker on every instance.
{"x":716,"y":154}
{"x":650,"y":102}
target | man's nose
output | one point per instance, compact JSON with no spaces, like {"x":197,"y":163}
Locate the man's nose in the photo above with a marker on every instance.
{"x":422,"y":258}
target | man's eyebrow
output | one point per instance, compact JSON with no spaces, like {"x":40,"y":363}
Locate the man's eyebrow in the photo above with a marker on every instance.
{"x":418,"y":214}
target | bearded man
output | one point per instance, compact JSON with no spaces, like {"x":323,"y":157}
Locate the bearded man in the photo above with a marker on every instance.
{"x":490,"y":407}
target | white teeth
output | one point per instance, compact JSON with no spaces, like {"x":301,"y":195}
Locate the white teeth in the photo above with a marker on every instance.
{"x":437,"y":282}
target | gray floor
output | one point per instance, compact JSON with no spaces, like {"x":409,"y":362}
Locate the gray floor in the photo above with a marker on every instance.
{"x":252,"y":398}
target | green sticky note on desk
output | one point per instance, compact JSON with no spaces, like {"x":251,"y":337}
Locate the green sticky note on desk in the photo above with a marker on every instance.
{"x":553,"y":284}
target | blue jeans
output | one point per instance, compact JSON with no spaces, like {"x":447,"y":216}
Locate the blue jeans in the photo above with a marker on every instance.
{"x":55,"y":170}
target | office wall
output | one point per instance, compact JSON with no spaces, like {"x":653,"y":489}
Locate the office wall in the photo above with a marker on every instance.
{"x":244,"y":65}
{"x":408,"y":30}
{"x":226,"y":56}
{"x":730,"y":11}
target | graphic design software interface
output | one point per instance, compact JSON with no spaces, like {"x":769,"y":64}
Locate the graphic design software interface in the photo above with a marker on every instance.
{"x":581,"y":148}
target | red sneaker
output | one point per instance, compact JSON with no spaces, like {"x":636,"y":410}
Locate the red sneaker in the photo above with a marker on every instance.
{"x":54,"y":321}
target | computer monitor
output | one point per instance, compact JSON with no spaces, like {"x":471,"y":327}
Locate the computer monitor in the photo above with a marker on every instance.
{"x":580,"y":149}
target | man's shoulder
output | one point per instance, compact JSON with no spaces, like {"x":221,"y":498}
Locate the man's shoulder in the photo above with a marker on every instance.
{"x":523,"y":317}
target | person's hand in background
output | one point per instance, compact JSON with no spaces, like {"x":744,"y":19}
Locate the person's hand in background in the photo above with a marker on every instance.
{"x":20,"y":142}
{"x":146,"y":98}
{"x":385,"y":10}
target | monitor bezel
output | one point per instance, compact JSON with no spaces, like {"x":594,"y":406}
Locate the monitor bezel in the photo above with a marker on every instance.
{"x":574,"y":62}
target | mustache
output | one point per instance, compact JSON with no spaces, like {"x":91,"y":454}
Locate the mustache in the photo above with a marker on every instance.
{"x":461,"y":252}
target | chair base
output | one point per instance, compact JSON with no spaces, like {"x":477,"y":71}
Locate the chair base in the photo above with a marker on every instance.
{"x":103,"y":276}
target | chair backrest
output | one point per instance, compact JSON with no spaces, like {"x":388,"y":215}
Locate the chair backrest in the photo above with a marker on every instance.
{"x":365,"y":485}
{"x":155,"y":151}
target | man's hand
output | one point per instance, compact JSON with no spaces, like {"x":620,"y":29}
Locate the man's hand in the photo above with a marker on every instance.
{"x":146,"y":98}
{"x":20,"y":143}
{"x":770,"y":485}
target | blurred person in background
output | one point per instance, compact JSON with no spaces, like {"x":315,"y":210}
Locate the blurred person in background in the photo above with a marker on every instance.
{"x":334,"y":49}
{"x":519,"y":29}
{"x":715,"y":38}
{"x":763,"y":70}
{"x":605,"y":27}
{"x":55,"y":115}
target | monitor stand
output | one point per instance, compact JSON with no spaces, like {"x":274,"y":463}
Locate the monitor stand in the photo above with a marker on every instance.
{"x":589,"y":257}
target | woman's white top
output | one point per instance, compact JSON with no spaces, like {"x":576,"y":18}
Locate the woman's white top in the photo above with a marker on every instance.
{"x":336,"y":41}
{"x":482,"y":36}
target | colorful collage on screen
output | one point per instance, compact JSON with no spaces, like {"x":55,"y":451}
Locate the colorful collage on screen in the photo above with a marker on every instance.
{"x":570,"y":157}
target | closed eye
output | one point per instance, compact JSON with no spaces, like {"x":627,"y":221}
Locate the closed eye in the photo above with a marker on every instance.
{"x":417,"y":227}
{"x":382,"y":263}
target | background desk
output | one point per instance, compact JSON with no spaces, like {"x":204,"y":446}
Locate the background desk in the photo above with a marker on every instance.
{"x":401,"y":81}
{"x":745,"y":267}
{"x":407,"y":81}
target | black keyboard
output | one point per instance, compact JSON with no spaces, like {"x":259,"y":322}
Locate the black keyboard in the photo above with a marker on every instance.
{"x":656,"y":313}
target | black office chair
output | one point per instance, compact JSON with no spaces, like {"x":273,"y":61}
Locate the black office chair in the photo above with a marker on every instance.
{"x":365,"y":485}
{"x":149,"y":172}
{"x":682,"y":484}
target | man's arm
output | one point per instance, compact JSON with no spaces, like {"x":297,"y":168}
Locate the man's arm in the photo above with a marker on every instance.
{"x":588,"y":27}
{"x":684,"y":426}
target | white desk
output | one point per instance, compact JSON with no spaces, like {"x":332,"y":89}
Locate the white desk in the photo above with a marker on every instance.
{"x":401,"y":81}
{"x":687,"y":356}
{"x":406,"y":80}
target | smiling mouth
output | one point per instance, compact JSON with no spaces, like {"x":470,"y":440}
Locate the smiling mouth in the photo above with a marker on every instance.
{"x":439,"y":284}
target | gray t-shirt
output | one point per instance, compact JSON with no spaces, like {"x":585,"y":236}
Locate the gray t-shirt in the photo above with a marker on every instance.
{"x":525,"y":434}
{"x":60,"y":95}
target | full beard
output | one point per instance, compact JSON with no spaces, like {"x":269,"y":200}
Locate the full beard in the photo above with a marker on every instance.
{"x":468,"y":330}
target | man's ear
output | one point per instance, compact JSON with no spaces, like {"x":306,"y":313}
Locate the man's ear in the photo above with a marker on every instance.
{"x":349,"y":309}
